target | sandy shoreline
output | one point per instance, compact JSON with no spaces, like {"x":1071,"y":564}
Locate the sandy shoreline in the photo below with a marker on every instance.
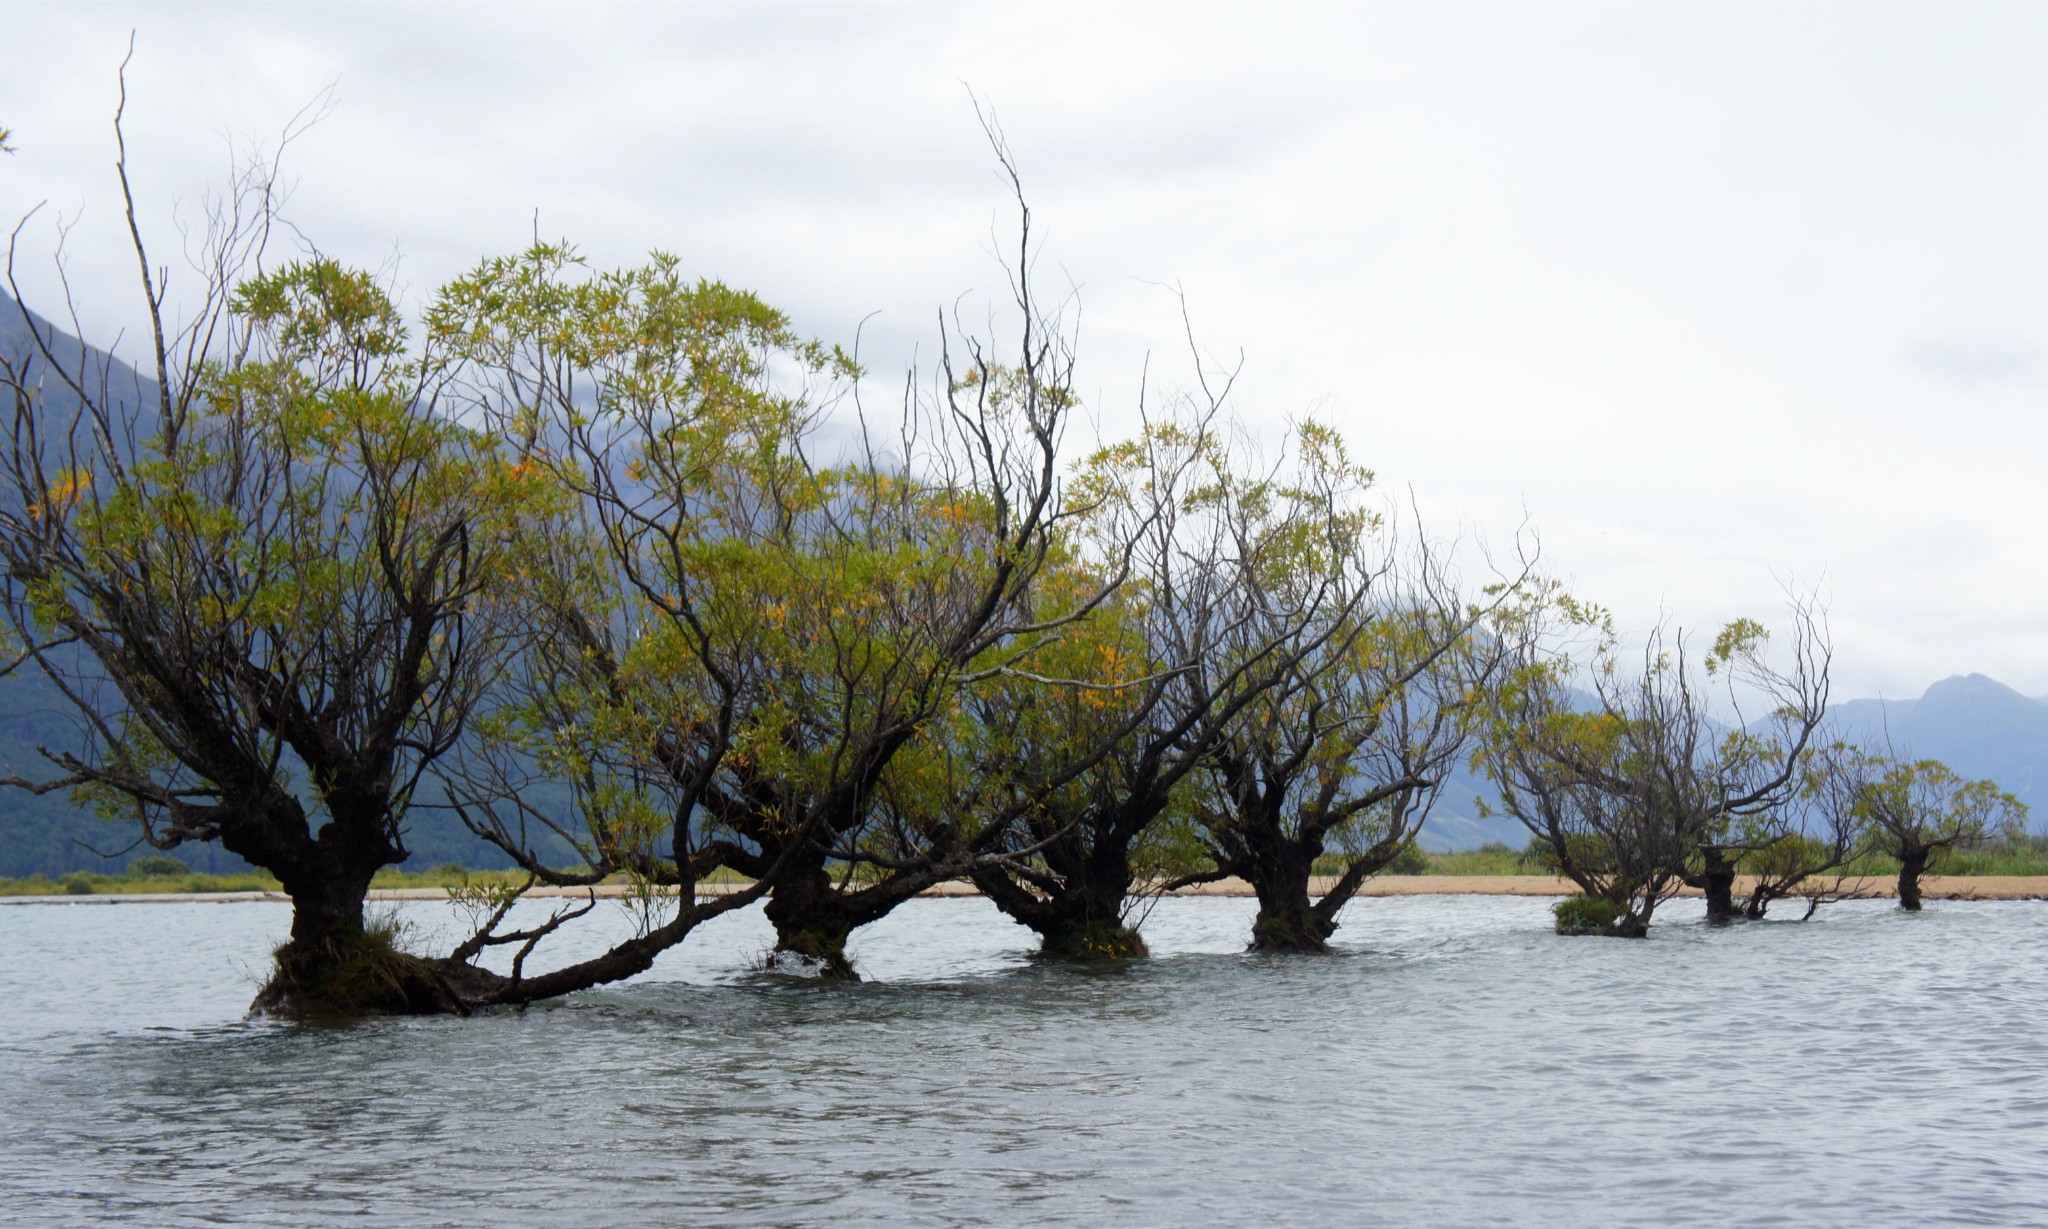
{"x":1934,"y":887}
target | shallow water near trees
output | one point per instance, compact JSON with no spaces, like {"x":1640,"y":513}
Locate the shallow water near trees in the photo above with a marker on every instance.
{"x":1454,"y":1063}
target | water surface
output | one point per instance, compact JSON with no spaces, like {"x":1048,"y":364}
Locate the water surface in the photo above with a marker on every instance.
{"x":1456,"y":1064}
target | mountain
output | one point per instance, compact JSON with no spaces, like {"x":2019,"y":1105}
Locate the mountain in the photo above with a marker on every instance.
{"x":1976,"y":725}
{"x":1455,"y":822}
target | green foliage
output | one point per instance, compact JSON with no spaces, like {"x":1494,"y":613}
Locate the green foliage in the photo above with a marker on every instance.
{"x":156,"y":866}
{"x":1410,"y":861}
{"x":2013,"y":856}
{"x":1577,"y":915}
{"x":1738,"y":642}
{"x":1539,"y":857}
{"x":78,"y":883}
{"x":1926,"y":804}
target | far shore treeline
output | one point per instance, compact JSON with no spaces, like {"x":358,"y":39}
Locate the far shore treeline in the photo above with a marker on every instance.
{"x":621,"y":573}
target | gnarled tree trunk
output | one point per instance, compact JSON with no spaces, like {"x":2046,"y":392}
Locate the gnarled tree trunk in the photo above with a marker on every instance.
{"x":335,"y":964}
{"x":1288,"y":921}
{"x":1912,"y":865}
{"x":1717,"y":881}
{"x":1078,"y":910}
{"x":811,"y":920}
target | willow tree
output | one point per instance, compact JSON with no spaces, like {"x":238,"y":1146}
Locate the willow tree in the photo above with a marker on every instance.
{"x":736,"y":636}
{"x":1632,"y":786}
{"x":1072,"y":771}
{"x":253,"y":582}
{"x":1200,"y":634}
{"x":1343,"y":758}
{"x":1800,"y":846}
{"x":1917,"y":809}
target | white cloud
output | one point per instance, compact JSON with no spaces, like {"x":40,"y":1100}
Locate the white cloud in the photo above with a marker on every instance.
{"x":1970,"y":362}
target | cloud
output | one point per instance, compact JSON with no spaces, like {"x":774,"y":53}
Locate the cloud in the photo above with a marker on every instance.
{"x":1969,"y":363}
{"x":1618,"y":269}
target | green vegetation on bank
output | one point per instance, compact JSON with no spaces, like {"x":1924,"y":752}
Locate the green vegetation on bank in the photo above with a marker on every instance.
{"x":1492,"y":858}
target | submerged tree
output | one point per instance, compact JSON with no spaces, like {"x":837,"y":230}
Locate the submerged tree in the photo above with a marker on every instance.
{"x":253,"y":583}
{"x":1918,"y":809}
{"x":1344,"y":763}
{"x":1346,"y":750}
{"x":1634,"y":789}
{"x":1202,"y":630}
{"x":1073,"y":760}
{"x":1800,"y":847}
{"x":738,"y":638}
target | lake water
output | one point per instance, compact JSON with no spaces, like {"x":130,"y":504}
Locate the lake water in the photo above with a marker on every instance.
{"x":1457,"y":1064}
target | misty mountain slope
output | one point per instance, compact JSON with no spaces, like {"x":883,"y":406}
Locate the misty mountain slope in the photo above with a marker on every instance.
{"x":1976,"y":725}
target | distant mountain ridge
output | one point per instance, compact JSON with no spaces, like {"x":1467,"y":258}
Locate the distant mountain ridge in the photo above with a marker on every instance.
{"x":1974,"y":724}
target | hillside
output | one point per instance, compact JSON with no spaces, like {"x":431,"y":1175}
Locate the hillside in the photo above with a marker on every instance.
{"x":1976,"y":725}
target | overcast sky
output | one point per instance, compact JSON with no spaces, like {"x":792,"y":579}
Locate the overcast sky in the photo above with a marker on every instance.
{"x":1717,"y":297}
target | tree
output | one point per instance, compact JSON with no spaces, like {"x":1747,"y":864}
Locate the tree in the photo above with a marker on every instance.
{"x":1346,"y":757}
{"x":1917,"y":809}
{"x":1222,"y":607}
{"x":734,"y":639}
{"x":1802,"y":846}
{"x":254,"y":588}
{"x":274,"y":587}
{"x":1348,"y":746}
{"x":1634,"y":788}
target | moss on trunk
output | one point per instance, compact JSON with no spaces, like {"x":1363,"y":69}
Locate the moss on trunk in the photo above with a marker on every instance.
{"x":345,"y":973}
{"x":1291,"y":930}
{"x":1092,"y":940}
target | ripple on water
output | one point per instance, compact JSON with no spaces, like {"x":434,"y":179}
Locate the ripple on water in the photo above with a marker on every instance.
{"x":1455,"y":1064}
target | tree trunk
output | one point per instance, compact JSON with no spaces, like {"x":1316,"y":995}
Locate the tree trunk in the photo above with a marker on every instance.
{"x":1291,"y":930}
{"x":1090,"y":934}
{"x":811,"y":922}
{"x":1077,"y":915}
{"x":1287,"y":921}
{"x":1911,"y":866}
{"x":334,"y":966}
{"x":1630,"y":925}
{"x":1717,"y":880}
